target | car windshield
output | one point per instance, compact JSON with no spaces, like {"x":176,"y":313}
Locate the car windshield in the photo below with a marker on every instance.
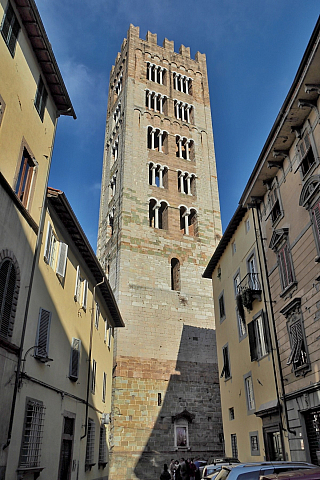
{"x":222,"y":475}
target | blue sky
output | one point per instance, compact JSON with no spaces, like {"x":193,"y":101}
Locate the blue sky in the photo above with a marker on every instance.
{"x":253,"y":49}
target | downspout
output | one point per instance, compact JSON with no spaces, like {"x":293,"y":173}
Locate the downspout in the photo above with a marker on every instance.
{"x":273,"y":323}
{"x":26,"y":312}
{"x":89,"y":358}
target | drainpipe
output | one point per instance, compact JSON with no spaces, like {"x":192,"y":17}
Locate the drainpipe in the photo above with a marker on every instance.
{"x":273,"y":320}
{"x":89,"y":358}
{"x":26,"y":312}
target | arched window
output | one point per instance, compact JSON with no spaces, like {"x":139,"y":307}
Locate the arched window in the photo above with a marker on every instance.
{"x":175,"y":274}
{"x":158,"y":214}
{"x":152,"y":206}
{"x":183,"y":213}
{"x":9,"y":289}
{"x":163,"y":216}
{"x":193,"y":223}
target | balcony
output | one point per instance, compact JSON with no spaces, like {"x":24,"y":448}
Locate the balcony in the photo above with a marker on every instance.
{"x":249,"y":290}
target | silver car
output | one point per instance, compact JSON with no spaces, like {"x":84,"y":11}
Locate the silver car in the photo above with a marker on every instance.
{"x":252,"y":471}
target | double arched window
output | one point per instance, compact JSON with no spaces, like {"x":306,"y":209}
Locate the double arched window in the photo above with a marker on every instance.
{"x":9,"y":290}
{"x":158,"y":214}
{"x":188,"y":221}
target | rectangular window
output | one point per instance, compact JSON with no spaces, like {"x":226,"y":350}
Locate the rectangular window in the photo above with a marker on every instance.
{"x":104,"y":387}
{"x":307,"y":158}
{"x":66,"y":450}
{"x":102,"y":447}
{"x":242,"y":327}
{"x":111,"y":333}
{"x":74,"y":359}
{"x":316,"y":222}
{"x":254,"y":443}
{"x":25,"y":178}
{"x":96,"y":323}
{"x":222,"y":310}
{"x":106,"y":327}
{"x":41,"y":98}
{"x":226,"y":373}
{"x":32,"y":434}
{"x":285,"y":266}
{"x":89,"y":463}
{"x":234,"y":445}
{"x":2,"y":108}
{"x":258,"y":337}
{"x":93,"y":376}
{"x":55,"y":253}
{"x":247,"y":225}
{"x":249,"y":393}
{"x":298,"y":355}
{"x":231,"y":413}
{"x":81,"y":289}
{"x":42,"y":339}
{"x":274,"y":203}
{"x":10,"y":29}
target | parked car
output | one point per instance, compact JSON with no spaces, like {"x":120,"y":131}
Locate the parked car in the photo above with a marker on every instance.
{"x":305,"y":474}
{"x":252,"y":471}
{"x":214,"y":468}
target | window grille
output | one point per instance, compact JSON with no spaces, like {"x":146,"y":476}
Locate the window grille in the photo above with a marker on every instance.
{"x":234,"y":445}
{"x":102,"y":447}
{"x":7,"y":290}
{"x":90,"y":444}
{"x":32,"y":435}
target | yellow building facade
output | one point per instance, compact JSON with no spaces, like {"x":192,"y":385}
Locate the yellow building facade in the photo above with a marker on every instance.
{"x":249,"y":385}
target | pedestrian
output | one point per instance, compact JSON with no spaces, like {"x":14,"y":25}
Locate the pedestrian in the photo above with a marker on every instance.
{"x":172,"y":468}
{"x":177,"y":474}
{"x":184,"y":469}
{"x":192,"y":470}
{"x":165,"y":475}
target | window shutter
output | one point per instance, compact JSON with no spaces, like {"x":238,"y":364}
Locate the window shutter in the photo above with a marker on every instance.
{"x":42,"y":342}
{"x":252,"y":342}
{"x":266,"y":333}
{"x":62,"y":259}
{"x":7,"y":289}
{"x":316,"y":217}
{"x":97,"y":316}
{"x":104,"y":386}
{"x":93,"y":378}
{"x":106,"y":327}
{"x":74,"y":359}
{"x":14,"y":36}
{"x":6,"y":22}
{"x":77,"y":286}
{"x":84,"y":294}
{"x":294,"y":343}
{"x":48,"y":243}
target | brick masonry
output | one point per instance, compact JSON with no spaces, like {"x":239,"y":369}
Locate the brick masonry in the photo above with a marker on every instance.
{"x":167,"y":349}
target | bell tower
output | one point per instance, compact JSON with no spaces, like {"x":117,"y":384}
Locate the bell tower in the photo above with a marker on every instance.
{"x":159,"y":224}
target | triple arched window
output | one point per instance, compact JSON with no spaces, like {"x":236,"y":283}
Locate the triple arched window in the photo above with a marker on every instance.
{"x":158,"y":175}
{"x":9,"y":290}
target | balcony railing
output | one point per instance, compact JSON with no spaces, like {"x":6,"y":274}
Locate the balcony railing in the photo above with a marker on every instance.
{"x":249,"y":289}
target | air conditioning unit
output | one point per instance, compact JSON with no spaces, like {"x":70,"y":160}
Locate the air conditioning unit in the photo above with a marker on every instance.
{"x":105,"y":419}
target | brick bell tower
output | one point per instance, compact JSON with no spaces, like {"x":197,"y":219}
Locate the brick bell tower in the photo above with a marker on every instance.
{"x":159,"y":224}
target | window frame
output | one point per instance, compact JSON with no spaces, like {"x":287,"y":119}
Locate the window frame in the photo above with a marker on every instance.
{"x":2,"y":108}
{"x":56,"y":257}
{"x":24,"y":180}
{"x":74,"y":356}
{"x":285,"y":266}
{"x":304,"y":148}
{"x":259,"y":337}
{"x":221,"y":302}
{"x":32,"y":443}
{"x":7,"y":256}
{"x":11,"y":34}
{"x":41,"y":97}
{"x":234,"y":445}
{"x":183,"y":424}
{"x":249,"y":402}
{"x":226,"y":370}
{"x":252,"y":435}
{"x":41,"y":350}
{"x":91,"y":431}
{"x":93,"y":376}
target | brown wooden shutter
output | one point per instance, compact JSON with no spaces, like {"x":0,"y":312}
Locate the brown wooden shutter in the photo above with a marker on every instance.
{"x":252,"y":341}
{"x":42,"y":342}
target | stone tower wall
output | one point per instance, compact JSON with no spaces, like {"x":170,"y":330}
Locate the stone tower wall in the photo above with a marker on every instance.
{"x":165,"y":358}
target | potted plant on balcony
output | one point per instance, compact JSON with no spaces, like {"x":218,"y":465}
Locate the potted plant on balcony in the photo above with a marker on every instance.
{"x":247,"y":298}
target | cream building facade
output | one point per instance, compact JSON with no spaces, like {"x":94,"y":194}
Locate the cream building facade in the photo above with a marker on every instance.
{"x":63,"y":408}
{"x":159,"y":220}
{"x":284,"y":187}
{"x":32,"y":96}
{"x":252,"y":410}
